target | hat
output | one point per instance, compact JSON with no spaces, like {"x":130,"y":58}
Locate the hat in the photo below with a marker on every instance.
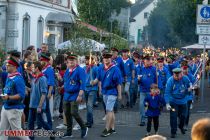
{"x":72,"y":56}
{"x":114,"y":49}
{"x":107,"y":55}
{"x":136,"y":54}
{"x":13,"y":62}
{"x":177,"y":70}
{"x":160,"y":59}
{"x":124,"y":50}
{"x":14,"y":53}
{"x":147,"y":56}
{"x":44,"y":57}
{"x":185,"y":67}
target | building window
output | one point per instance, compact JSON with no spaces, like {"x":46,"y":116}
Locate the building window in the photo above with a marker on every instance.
{"x":146,"y":14}
{"x":40,"y":30}
{"x":26,"y":32}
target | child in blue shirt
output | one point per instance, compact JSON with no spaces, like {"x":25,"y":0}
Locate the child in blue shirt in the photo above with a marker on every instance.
{"x":153,"y":103}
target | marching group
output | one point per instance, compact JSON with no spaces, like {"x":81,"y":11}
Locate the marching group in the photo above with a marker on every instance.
{"x":36,"y":87}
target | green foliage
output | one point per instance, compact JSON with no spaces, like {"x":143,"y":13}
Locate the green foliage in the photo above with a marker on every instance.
{"x":98,"y":12}
{"x":173,"y":23}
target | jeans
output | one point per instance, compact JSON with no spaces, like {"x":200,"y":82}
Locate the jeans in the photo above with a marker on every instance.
{"x":48,"y":115}
{"x":125,"y":93}
{"x":188,"y":113}
{"x":90,"y":96}
{"x":71,"y":110}
{"x":61,"y":104}
{"x":33,"y":116}
{"x":141,"y":105}
{"x":56,"y":101}
{"x":133,"y":94}
{"x":180,"y":112}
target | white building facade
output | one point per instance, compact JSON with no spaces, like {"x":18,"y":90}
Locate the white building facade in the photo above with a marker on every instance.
{"x":140,"y":12}
{"x":33,"y":22}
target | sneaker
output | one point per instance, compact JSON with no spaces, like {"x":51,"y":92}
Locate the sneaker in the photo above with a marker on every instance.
{"x":88,"y":125}
{"x":61,"y":116}
{"x":148,"y":134}
{"x":104,"y":118}
{"x":80,"y":107}
{"x":84,"y":106}
{"x":105,"y":133}
{"x":66,"y":135}
{"x":76,"y":127}
{"x":112,"y":131}
{"x":182,"y":131}
{"x":173,"y":135}
{"x":84,"y":132}
{"x":142,"y":124}
{"x":62,"y":126}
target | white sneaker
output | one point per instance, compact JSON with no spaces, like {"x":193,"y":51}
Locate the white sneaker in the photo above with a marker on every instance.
{"x":56,"y":113}
{"x":80,"y":107}
{"x":84,"y":106}
{"x":76,"y":127}
{"x":104,"y":118}
{"x":61,"y":126}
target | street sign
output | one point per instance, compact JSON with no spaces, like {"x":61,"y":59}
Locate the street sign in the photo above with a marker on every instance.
{"x":203,"y":14}
{"x":203,"y":29}
{"x":204,"y":40}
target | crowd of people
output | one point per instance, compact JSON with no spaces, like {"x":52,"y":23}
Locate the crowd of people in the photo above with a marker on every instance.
{"x":39,"y":87}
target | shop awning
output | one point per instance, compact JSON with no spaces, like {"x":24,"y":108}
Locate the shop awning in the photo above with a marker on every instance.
{"x":60,"y":17}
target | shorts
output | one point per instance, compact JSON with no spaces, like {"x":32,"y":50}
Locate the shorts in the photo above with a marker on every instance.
{"x":109,"y":101}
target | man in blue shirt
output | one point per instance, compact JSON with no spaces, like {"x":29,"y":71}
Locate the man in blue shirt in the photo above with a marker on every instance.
{"x":176,"y":97}
{"x":110,"y":81}
{"x":38,"y":99}
{"x":117,"y":60}
{"x":163,"y":75}
{"x":185,"y":70}
{"x":146,"y":77}
{"x":128,"y":78}
{"x":74,"y":87}
{"x":134,"y":86}
{"x":13,"y":96}
{"x":91,"y":89}
{"x":48,"y":71}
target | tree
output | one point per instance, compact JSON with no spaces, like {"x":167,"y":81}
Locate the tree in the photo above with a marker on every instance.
{"x":173,"y":23}
{"x":98,"y":12}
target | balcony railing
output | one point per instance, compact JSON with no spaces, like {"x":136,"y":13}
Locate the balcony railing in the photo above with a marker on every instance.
{"x":63,"y":3}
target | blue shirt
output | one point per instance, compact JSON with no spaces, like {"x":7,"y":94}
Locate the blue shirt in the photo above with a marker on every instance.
{"x":110,"y":79}
{"x":73,"y":83}
{"x":129,"y":67}
{"x":172,"y":66}
{"x":155,"y":104}
{"x":148,"y":77}
{"x":119,"y":63}
{"x":15,"y":86}
{"x":50,"y":75}
{"x":177,"y":91}
{"x":91,"y":75}
{"x":38,"y":89}
{"x":163,"y":76}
